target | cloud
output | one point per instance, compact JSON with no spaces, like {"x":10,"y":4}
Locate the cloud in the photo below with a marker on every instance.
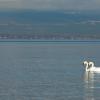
{"x":51,"y":4}
{"x":9,"y":4}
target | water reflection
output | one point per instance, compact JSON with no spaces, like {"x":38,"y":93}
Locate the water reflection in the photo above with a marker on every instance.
{"x":91,"y":81}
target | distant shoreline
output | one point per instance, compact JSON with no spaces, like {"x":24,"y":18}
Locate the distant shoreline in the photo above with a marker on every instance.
{"x":60,"y":41}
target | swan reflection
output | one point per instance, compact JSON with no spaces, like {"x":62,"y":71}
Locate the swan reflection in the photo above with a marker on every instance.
{"x":91,"y":81}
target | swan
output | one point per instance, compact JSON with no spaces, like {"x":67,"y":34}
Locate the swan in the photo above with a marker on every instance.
{"x":93,"y":68}
{"x":86,"y":64}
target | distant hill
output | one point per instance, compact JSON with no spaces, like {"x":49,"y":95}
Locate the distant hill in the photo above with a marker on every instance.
{"x":50,"y":25}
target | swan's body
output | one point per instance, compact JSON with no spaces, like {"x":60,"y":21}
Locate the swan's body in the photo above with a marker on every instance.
{"x":90,"y":67}
{"x":93,"y":68}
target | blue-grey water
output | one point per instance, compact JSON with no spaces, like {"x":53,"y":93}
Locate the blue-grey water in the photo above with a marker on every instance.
{"x":48,"y":71}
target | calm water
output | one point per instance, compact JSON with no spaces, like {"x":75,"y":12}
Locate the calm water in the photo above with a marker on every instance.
{"x":48,"y":71}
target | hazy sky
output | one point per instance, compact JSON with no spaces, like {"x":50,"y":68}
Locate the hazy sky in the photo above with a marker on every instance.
{"x":51,"y":4}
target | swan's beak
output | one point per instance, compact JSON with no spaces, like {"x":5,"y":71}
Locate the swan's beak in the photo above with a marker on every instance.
{"x":83,"y":63}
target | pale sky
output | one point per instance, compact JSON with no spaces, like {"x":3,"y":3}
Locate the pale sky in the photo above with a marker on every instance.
{"x":51,"y":4}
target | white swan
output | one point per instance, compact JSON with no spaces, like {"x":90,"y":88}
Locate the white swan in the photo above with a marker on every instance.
{"x":86,"y":64}
{"x":89,"y":67}
{"x":93,"y":68}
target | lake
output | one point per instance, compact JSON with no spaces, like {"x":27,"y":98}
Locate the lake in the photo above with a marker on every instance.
{"x":48,"y":71}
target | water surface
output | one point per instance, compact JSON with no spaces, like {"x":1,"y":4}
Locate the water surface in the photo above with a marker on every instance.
{"x":48,"y":71}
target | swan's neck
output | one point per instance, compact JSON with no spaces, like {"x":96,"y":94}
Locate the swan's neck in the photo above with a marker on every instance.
{"x":87,"y":67}
{"x":92,"y":65}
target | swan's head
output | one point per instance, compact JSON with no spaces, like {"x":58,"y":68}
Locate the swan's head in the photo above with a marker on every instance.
{"x":85,"y":63}
{"x":91,"y":64}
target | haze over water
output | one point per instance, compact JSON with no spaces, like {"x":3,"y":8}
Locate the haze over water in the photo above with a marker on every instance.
{"x":48,"y":71}
{"x":49,"y":25}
